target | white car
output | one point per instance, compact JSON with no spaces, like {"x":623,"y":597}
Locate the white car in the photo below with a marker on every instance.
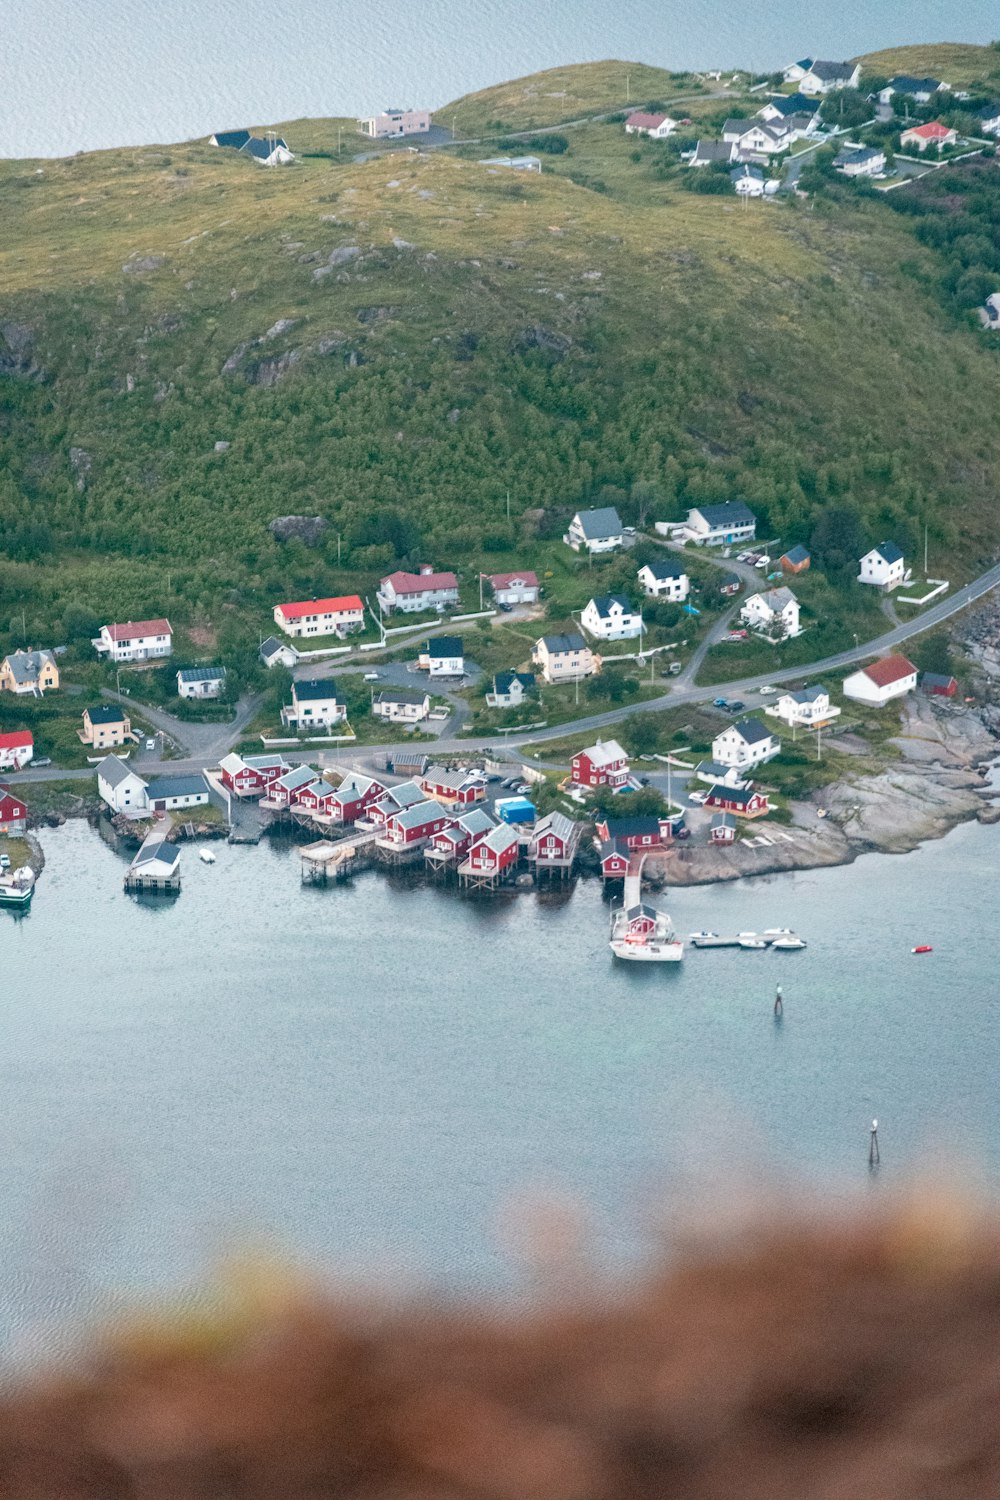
{"x":768,"y":691}
{"x":371,"y":677}
{"x":698,"y":798}
{"x":763,"y":562}
{"x":150,"y":744}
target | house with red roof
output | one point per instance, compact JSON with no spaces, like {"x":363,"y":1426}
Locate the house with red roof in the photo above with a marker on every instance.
{"x":16,"y":749}
{"x":338,"y":616}
{"x":931,"y":134}
{"x":656,"y":125}
{"x":883,"y":680}
{"x":13,"y":812}
{"x":138,"y":640}
{"x":412,"y":592}
{"x":514,"y":588}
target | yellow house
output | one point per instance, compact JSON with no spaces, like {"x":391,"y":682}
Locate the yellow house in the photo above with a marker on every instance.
{"x":105,"y":727}
{"x":33,"y":672}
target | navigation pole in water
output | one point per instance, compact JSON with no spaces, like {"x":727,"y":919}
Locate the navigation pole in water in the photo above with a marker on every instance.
{"x":873,"y":1156}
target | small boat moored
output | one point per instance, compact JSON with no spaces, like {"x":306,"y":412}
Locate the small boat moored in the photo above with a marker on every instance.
{"x":751,"y":940}
{"x":16,"y":890}
{"x":643,"y":934}
{"x":789,"y":944}
{"x":206,"y":856}
{"x":923,"y":948}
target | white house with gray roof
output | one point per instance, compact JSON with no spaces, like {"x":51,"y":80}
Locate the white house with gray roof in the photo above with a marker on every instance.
{"x":818,"y":77}
{"x":707,"y":152}
{"x":595,"y":530}
{"x":745,"y":744}
{"x":401,"y":705}
{"x":860,"y":161}
{"x":121,"y":788}
{"x":719,"y":525}
{"x":201,"y":682}
{"x":610,"y":617}
{"x":775,"y":613}
{"x":884,"y":567}
{"x":809,"y":708}
{"x":170,"y":793}
{"x":664,"y":579}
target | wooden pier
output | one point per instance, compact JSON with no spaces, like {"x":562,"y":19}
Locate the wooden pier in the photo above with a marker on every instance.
{"x":326,"y":860}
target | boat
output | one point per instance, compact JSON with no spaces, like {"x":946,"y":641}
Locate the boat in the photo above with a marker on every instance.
{"x":777,"y":932}
{"x":789,"y":944}
{"x":702,"y":936}
{"x":751,"y":940}
{"x":923,"y":948}
{"x":712,"y":940}
{"x":643,"y":934}
{"x":16,"y":890}
{"x":206,"y":856}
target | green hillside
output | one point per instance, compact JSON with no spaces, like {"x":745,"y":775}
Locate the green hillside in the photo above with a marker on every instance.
{"x":956,"y":63}
{"x":394,"y":345}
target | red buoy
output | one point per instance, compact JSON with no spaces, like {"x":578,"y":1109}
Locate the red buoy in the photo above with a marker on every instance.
{"x":924,"y":948}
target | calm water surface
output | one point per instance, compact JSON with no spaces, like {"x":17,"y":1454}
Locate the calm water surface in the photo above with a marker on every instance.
{"x":80,"y":74}
{"x":368,"y":1074}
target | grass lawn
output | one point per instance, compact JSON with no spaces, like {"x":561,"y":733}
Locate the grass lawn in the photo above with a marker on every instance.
{"x":18,"y":851}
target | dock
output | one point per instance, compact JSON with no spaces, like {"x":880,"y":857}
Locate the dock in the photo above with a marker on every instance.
{"x":325,"y":861}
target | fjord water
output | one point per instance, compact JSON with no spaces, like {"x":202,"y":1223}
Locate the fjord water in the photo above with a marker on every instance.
{"x":81,"y":76}
{"x":369,"y":1076}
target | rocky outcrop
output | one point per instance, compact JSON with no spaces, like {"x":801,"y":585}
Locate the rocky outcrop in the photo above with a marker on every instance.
{"x":82,"y":464}
{"x":540,"y":337}
{"x":138,"y":265}
{"x":17,"y":351}
{"x":308,"y":529}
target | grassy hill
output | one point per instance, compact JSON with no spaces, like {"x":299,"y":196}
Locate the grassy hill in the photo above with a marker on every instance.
{"x":191,"y":347}
{"x":957,"y":63}
{"x":563,"y":94}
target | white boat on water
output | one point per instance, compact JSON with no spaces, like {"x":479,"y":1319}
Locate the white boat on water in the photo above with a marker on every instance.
{"x":702,"y":936}
{"x":789,"y":943}
{"x":17,"y":889}
{"x":751,"y":940}
{"x":777,"y":932}
{"x":643,"y":934}
{"x":206,"y":856}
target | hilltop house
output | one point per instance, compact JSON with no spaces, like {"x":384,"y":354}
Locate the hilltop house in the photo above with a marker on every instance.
{"x":201,"y":682}
{"x":988,"y":116}
{"x":932,"y":134}
{"x":816,"y":77}
{"x":514,"y":588}
{"x":795,"y":560}
{"x":664,"y":580}
{"x":13,"y":812}
{"x":884,"y":567}
{"x":884,"y":680}
{"x":564,"y":658}
{"x":275,"y":653}
{"x":105,"y":726}
{"x":595,"y":530}
{"x":744,"y":744}
{"x":748,"y":182}
{"x":610,"y":617}
{"x":706,"y":153}
{"x":17,"y":747}
{"x":340,"y":616}
{"x":510,"y":689}
{"x":656,"y":126}
{"x":168,"y":793}
{"x":413,"y":592}
{"x":774,"y":613}
{"x":315,"y":705}
{"x":396,"y":122}
{"x":121,"y":788}
{"x":790,"y":106}
{"x":603,"y":764}
{"x":809,"y":708}
{"x":34,"y":672}
{"x":140,"y":640}
{"x":756,"y":137}
{"x":443,"y":656}
{"x":860,"y":161}
{"x":919,"y":90}
{"x":401,"y":705}
{"x":271,"y":152}
{"x":718,"y":525}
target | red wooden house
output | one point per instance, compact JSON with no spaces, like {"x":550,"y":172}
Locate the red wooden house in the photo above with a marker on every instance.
{"x":416,"y":824}
{"x":13,"y":813}
{"x":614,"y":859}
{"x":251,"y":776}
{"x":316,"y":799}
{"x":456,"y":839}
{"x":495,"y":853}
{"x":393,"y":800}
{"x":743,"y":801}
{"x":601,"y":765}
{"x":555,"y":839}
{"x":353,"y":797}
{"x":454,"y":788}
{"x":636,"y":833}
{"x":938,"y":685}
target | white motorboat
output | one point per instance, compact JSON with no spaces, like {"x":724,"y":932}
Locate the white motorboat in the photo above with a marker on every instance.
{"x":704,"y":936}
{"x":642,"y":934}
{"x":777,"y":932}
{"x":789,"y":944}
{"x":17,"y":889}
{"x":206,"y":856}
{"x":751,"y":940}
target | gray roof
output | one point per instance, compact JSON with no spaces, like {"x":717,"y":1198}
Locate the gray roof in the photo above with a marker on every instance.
{"x":559,"y":644}
{"x":833,"y":72}
{"x":664,"y":569}
{"x":115,"y":771}
{"x":776,"y":599}
{"x":809,"y":694}
{"x":504,"y":681}
{"x":713,"y":151}
{"x":306,"y":689}
{"x":26,"y":665}
{"x":261,"y":762}
{"x":613,"y":846}
{"x":557,"y":823}
{"x":603,"y":603}
{"x":156,"y":850}
{"x":296,"y":776}
{"x":201,"y":674}
{"x":905,"y":84}
{"x":106,"y":713}
{"x":888,"y":552}
{"x":712,"y":768}
{"x":176,"y":786}
{"x":400,"y":695}
{"x":476,"y":820}
{"x":272,"y":646}
{"x":723,"y":820}
{"x":407,"y":794}
{"x":987,"y":112}
{"x":851,"y":155}
{"x":445,"y":645}
{"x":419,"y":812}
{"x":597,"y":524}
{"x":752,"y":731}
{"x":739,"y":173}
{"x":797,"y":554}
{"x":452,"y":780}
{"x":633,"y":827}
{"x":730,"y":513}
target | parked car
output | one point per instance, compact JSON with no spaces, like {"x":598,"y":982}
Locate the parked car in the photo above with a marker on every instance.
{"x":763,"y":562}
{"x":150,"y":744}
{"x":720,"y":703}
{"x":682,"y":833}
{"x":768,"y":691}
{"x":4,"y":861}
{"x":735,"y":705}
{"x":698,"y":798}
{"x":506,"y":608}
{"x":371,"y":677}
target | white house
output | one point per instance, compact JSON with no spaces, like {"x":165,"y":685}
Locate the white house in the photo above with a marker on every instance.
{"x":860,"y":161}
{"x":401,"y":705}
{"x":315,"y":704}
{"x":664,"y":580}
{"x":510,"y":689}
{"x":825,"y":77}
{"x":707,"y":152}
{"x":340,"y":616}
{"x":932,"y":134}
{"x":884,"y":680}
{"x":744,"y":744}
{"x":413,"y":592}
{"x":988,"y":116}
{"x":564,"y":658}
{"x":884,"y":567}
{"x":785,"y":106}
{"x":754,"y":136}
{"x":275,"y":653}
{"x":610,"y":617}
{"x":443,"y":656}
{"x":919,"y":90}
{"x":17,"y":747}
{"x":514,"y":588}
{"x":809,"y":708}
{"x":775,"y":613}
{"x":719,"y":525}
{"x":169,"y":793}
{"x":396,"y":122}
{"x":748,"y":181}
{"x":121,"y":788}
{"x":656,"y":126}
{"x":201,"y":682}
{"x":595,"y":530}
{"x":990,"y":311}
{"x":140,"y":640}
{"x":269,"y":152}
